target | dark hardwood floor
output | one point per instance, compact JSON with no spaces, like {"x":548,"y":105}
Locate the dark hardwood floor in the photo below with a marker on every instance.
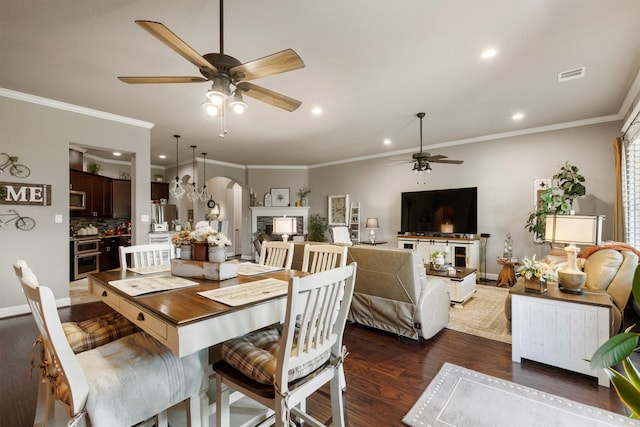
{"x":385,"y":374}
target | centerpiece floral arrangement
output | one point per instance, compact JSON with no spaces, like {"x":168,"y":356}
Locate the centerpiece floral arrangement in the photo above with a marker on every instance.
{"x":181,"y":238}
{"x":204,"y":233}
{"x":532,"y":268}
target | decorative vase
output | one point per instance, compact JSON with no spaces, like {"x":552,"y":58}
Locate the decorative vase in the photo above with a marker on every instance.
{"x":437,"y":263}
{"x":217,"y":254}
{"x":185,"y":252}
{"x":535,"y":285}
{"x":199,"y":252}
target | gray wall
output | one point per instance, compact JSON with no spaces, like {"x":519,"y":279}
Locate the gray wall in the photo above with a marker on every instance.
{"x":503,"y":170}
{"x":40,"y":137}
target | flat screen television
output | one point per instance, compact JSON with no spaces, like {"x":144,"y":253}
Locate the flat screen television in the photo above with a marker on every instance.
{"x":440,"y":212}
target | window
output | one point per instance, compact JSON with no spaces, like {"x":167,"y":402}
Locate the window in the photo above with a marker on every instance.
{"x":631,"y":185}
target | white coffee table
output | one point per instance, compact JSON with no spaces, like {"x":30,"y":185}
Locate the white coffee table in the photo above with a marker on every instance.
{"x":461,"y":287}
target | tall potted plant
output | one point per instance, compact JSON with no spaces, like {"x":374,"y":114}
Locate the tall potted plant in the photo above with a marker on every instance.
{"x":317,"y":228}
{"x":557,"y":199}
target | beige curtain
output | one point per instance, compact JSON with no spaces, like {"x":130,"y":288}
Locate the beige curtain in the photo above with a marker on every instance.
{"x":619,"y":234}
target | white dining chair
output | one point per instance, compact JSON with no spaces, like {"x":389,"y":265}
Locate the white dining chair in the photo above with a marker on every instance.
{"x":319,"y":258}
{"x":280,"y":367}
{"x":124,"y":382}
{"x":146,"y":255}
{"x":277,"y":254}
{"x":90,"y":333}
{"x":341,"y":235}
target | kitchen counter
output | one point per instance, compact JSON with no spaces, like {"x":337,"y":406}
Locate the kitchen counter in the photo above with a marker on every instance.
{"x":97,"y":236}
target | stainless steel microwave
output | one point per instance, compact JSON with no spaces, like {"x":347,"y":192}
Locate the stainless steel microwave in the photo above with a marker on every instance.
{"x":77,"y":200}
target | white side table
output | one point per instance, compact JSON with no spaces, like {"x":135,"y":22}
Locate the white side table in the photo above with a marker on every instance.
{"x":559,"y":329}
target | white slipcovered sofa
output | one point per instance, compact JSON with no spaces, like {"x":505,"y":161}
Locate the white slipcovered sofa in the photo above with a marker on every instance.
{"x":392,"y":293}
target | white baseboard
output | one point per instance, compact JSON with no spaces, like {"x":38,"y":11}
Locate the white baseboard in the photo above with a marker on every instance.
{"x":17,"y":310}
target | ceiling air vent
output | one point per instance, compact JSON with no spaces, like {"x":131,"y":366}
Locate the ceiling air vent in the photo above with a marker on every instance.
{"x":576,"y":73}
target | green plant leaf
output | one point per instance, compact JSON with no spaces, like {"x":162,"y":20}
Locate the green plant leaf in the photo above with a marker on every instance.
{"x":636,"y":285}
{"x":632,"y":372}
{"x":628,"y":394}
{"x":614,"y":350}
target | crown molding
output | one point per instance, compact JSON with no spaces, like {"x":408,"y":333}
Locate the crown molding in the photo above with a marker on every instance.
{"x":33,"y":99}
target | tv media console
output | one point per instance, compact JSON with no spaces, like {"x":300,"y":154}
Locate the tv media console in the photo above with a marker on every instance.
{"x":460,"y":252}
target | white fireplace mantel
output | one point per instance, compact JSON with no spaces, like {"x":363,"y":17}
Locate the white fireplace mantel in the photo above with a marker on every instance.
{"x":257,"y":211}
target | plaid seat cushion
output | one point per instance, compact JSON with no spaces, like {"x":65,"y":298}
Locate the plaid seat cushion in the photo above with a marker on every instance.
{"x":89,"y":334}
{"x":256,"y":356}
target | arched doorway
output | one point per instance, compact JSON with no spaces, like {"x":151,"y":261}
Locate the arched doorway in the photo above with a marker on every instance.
{"x":227,"y":194}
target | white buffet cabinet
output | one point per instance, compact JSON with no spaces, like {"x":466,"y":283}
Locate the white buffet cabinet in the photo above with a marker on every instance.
{"x":462,"y":252}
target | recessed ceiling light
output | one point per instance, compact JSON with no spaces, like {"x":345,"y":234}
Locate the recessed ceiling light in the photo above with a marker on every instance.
{"x":316,"y":111}
{"x":517,"y":116}
{"x":489,"y":53}
{"x":162,"y":156}
{"x":387,"y":141}
{"x":116,"y":153}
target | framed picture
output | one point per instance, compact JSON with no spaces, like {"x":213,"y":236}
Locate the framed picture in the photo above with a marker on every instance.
{"x":338,"y":209}
{"x":279,"y":197}
{"x":539,"y":187}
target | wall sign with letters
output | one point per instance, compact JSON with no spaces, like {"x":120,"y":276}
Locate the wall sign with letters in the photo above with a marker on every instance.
{"x":13,"y":193}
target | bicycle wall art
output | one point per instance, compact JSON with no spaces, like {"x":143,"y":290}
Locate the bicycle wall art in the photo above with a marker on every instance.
{"x":23,"y":223}
{"x":16,"y":169}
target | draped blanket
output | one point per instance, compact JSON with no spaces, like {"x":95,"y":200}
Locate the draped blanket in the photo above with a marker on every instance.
{"x":134,"y":378}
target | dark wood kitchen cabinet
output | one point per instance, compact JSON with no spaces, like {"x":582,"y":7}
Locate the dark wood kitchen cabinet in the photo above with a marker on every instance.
{"x":101,"y":197}
{"x":159,"y":190}
{"x":99,"y":194}
{"x":121,"y":199}
{"x":109,"y":254}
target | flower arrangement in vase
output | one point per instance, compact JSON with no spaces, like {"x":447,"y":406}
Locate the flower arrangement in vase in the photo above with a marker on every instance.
{"x":182,"y":241}
{"x":217,"y":244}
{"x":201,"y":243}
{"x":437,"y":260}
{"x":536,"y":274}
{"x":303,"y":193}
{"x":208,"y":243}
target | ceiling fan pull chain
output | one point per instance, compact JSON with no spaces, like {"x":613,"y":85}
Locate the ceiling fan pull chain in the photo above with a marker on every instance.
{"x":223,"y":121}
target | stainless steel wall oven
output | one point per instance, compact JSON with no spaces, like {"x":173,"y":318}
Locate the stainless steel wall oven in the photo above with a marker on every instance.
{"x":86,"y":257}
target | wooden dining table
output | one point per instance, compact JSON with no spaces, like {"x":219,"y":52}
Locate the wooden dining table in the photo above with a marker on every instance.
{"x":185,"y":321}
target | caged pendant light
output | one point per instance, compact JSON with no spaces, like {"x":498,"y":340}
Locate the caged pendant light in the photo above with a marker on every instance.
{"x":177,"y":190}
{"x":194,"y":192}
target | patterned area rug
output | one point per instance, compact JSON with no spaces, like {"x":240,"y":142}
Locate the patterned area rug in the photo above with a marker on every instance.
{"x":460,"y":397}
{"x":482,"y":315}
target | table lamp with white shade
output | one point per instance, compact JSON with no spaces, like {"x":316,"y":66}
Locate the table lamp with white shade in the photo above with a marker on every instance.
{"x":573,"y":230}
{"x":284,"y":226}
{"x":372,"y":224}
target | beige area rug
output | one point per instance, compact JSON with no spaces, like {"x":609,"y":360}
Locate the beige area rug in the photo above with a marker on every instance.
{"x":460,"y":397}
{"x":79,"y":292}
{"x":482,"y":315}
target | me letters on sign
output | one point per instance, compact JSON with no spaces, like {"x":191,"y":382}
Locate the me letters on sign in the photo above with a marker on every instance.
{"x":13,"y":193}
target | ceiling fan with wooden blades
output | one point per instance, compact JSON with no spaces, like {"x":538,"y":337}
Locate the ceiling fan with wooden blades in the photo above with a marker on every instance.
{"x":422,"y":160}
{"x":229,"y":77}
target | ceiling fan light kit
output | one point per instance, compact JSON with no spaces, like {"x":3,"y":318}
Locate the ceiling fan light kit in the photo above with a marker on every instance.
{"x":422,"y":160}
{"x":227,"y":75}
